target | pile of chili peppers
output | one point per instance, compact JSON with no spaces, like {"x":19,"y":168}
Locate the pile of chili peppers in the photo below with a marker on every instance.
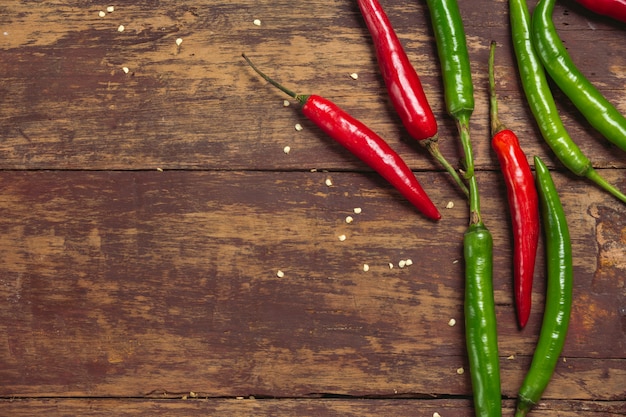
{"x":531,"y":198}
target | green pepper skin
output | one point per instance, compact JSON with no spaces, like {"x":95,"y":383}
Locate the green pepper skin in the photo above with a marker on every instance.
{"x":541,"y":101}
{"x":558,"y":293}
{"x":598,"y":111}
{"x":481,"y":333}
{"x":456,"y":70}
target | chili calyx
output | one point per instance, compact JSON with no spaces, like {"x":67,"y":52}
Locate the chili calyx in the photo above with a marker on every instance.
{"x":523,"y":202}
{"x":364,"y":143}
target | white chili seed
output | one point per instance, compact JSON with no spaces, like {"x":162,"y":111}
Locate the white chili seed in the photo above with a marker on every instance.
{"x":287,"y":149}
{"x":328,"y":182}
{"x":257,"y":22}
{"x":452,"y":322}
{"x":357,"y":210}
{"x":450,"y":204}
{"x":342,"y":238}
{"x":366,"y":267}
{"x":354,"y":76}
{"x":298,"y":127}
{"x":101,"y":13}
{"x":120,"y":28}
{"x":349,"y":219}
{"x":179,"y":41}
{"x":280,"y":274}
{"x":409,"y":262}
{"x":460,"y":371}
{"x":111,"y":9}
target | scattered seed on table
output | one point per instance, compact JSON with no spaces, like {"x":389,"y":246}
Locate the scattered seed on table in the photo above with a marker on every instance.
{"x":286,"y":103}
{"x":402,"y":263}
{"x":125,"y":69}
{"x":101,"y":13}
{"x":120,"y":28}
{"x":111,"y":9}
{"x":328,"y":182}
{"x":160,"y":169}
{"x":342,"y":238}
{"x":390,"y":265}
{"x":179,"y":41}
{"x":460,"y":371}
{"x":366,"y":267}
{"x":436,"y":414}
{"x":354,"y":76}
{"x":349,"y":219}
{"x":298,"y":127}
{"x":280,"y":274}
{"x":409,"y":262}
{"x":287,"y":149}
{"x":357,"y":210}
{"x":511,"y":357}
{"x":452,"y":322}
{"x":450,"y":204}
{"x":257,"y":22}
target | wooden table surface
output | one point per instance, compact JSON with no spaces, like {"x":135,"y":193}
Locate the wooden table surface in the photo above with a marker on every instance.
{"x":147,"y":205}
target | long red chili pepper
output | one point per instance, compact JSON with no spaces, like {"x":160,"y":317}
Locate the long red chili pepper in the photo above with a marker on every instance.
{"x":363,"y":143}
{"x":523,"y":203}
{"x":611,"y":8}
{"x":403,"y":84}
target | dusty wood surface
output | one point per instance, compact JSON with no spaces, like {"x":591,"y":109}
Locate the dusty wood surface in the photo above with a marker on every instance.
{"x":145,"y":216}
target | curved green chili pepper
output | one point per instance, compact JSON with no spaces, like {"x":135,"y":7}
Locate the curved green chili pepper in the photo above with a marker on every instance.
{"x":558,"y":293}
{"x":455,"y":66}
{"x":542,"y":104}
{"x":481,"y":335}
{"x":598,"y":111}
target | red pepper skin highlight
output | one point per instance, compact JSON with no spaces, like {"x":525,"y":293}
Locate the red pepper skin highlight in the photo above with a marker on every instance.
{"x":364,"y":143}
{"x":403,"y":84}
{"x":615,"y":9}
{"x":524,"y":208}
{"x":368,"y":147}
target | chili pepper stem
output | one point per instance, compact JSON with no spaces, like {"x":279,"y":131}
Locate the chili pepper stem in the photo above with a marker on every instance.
{"x":432,"y":146}
{"x":474,"y":202}
{"x":593,"y":175}
{"x":496,"y":125}
{"x":302,"y":98}
{"x":462,"y":123}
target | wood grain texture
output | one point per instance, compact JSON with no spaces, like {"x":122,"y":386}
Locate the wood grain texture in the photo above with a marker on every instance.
{"x":145,"y":216}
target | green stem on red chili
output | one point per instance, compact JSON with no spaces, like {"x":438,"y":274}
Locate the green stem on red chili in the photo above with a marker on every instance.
{"x":598,"y":111}
{"x":403,"y":84}
{"x":558,"y":304}
{"x":364,"y":143}
{"x":541,"y":101}
{"x":522,"y":199}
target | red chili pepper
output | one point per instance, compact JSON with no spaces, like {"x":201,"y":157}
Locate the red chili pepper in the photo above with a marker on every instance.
{"x":363,"y":143}
{"x":523,"y":203}
{"x":611,"y":8}
{"x":403,"y":84}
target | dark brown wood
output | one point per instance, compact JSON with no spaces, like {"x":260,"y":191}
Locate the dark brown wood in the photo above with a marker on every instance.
{"x":146,"y":216}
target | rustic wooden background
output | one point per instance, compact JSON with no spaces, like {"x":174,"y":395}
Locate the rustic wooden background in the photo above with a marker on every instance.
{"x":145,"y":215}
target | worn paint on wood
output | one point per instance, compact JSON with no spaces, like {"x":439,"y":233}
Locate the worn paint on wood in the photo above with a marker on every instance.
{"x":147,"y":213}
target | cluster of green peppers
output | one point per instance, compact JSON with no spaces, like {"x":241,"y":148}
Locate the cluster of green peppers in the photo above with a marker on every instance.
{"x":537,"y":46}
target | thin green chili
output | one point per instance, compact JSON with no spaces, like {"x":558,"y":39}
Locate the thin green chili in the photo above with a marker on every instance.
{"x":598,"y":111}
{"x":558,"y":293}
{"x":455,"y":67}
{"x":542,"y":104}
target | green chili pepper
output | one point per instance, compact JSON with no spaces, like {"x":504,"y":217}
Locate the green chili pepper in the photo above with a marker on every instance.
{"x":598,"y":111}
{"x":558,"y":293}
{"x":455,"y":67}
{"x":481,"y":335}
{"x":541,"y":101}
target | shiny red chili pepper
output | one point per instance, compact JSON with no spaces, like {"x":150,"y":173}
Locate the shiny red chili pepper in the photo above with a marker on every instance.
{"x":523,"y":203}
{"x":403,"y":84}
{"x":611,"y":8}
{"x":363,"y":143}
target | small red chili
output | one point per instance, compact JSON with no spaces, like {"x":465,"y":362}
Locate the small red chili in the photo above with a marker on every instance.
{"x":363,"y":143}
{"x":615,"y":9}
{"x":403,"y":84}
{"x":523,"y":203}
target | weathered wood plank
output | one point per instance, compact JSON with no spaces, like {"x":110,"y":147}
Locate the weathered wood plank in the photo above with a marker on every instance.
{"x":128,"y":283}
{"x":67,"y":103}
{"x":289,"y":407}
